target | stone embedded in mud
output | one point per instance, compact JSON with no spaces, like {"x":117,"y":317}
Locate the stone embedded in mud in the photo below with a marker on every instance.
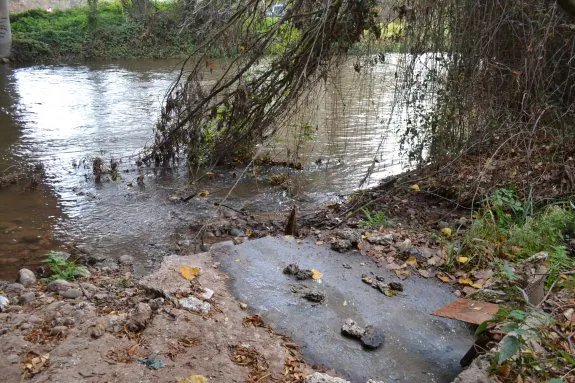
{"x":59,"y":285}
{"x":207,"y":294}
{"x":235,"y":232}
{"x":314,"y":296}
{"x":301,"y":274}
{"x":372,"y":338}
{"x":349,"y":235}
{"x":140,"y":317}
{"x":341,"y":245}
{"x":366,"y":279}
{"x":126,"y":260}
{"x":59,"y":330}
{"x":71,"y":293}
{"x":4,"y":302}
{"x":352,"y":329}
{"x":380,"y":239}
{"x":318,"y":377}
{"x":26,"y":277}
{"x":14,"y":289}
{"x":194,"y":304}
{"x":155,"y":304}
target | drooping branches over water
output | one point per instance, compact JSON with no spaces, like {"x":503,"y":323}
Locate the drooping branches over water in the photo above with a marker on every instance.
{"x":280,"y":55}
{"x":493,"y":79}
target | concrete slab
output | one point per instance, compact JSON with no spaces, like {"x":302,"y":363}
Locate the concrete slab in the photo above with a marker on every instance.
{"x":419,"y":347}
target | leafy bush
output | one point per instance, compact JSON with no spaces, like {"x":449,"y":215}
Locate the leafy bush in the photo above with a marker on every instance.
{"x":62,"y":268}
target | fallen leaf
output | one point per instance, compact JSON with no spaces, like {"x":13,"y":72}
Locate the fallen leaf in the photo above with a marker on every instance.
{"x":315,"y":274}
{"x":411,"y":261}
{"x":415,"y":188}
{"x":389,"y":293}
{"x":443,"y":278}
{"x":193,"y":379}
{"x":446,"y":231}
{"x":203,"y":193}
{"x":465,"y":281}
{"x":426,"y":273}
{"x":402,"y":273}
{"x":189,"y":272}
{"x":477,"y":285}
{"x":250,"y":233}
{"x":462,"y":259}
{"x":344,"y":303}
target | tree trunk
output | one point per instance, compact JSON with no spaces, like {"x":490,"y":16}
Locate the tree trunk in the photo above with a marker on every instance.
{"x":5,"y":33}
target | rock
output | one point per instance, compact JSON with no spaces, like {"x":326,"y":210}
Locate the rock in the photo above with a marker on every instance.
{"x":372,"y":338}
{"x":243,"y":306}
{"x":155,"y":304}
{"x":314,"y":296}
{"x":100,"y":296}
{"x":71,"y":293}
{"x":140,"y":317}
{"x":4,"y":302}
{"x":99,"y":328}
{"x":348,"y":235}
{"x":207,"y":294}
{"x":235,"y":232}
{"x":366,"y":279}
{"x":381,"y":239}
{"x":380,"y":278}
{"x":352,"y":329}
{"x":291,"y":269}
{"x":375,"y":381}
{"x":341,"y":245}
{"x":126,"y":260}
{"x":426,"y":252}
{"x":404,"y":246}
{"x":14,"y":288}
{"x":477,"y":372}
{"x":13,"y":359}
{"x":27,"y":298}
{"x":59,"y":285}
{"x":396,"y":286}
{"x":26,"y":277}
{"x":59,"y":330}
{"x":194,"y":304}
{"x":304,"y":274}
{"x":318,"y":377}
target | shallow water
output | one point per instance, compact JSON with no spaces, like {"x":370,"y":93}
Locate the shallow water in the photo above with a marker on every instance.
{"x":65,"y":115}
{"x":419,"y":347}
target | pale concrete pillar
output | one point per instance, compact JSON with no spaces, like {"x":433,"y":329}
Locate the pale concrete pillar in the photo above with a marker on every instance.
{"x":5,"y":33}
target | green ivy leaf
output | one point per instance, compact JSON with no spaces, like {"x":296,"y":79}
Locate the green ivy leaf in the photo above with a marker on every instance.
{"x":518,"y":315}
{"x":510,"y":345}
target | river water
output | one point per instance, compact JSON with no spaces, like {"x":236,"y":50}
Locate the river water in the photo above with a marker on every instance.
{"x":63,"y":116}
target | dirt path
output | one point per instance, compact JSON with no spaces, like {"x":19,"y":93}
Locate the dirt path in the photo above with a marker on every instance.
{"x":98,"y":336}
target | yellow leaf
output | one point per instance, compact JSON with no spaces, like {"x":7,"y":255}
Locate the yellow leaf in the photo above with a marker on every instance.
{"x":414,"y":187}
{"x":203,"y":193}
{"x":465,"y":281}
{"x":189,"y":272}
{"x":389,"y":292}
{"x":443,"y":278}
{"x":193,"y":379}
{"x":411,"y":261}
{"x":446,"y":231}
{"x":315,"y":274}
{"x":462,"y":259}
{"x":250,"y":233}
{"x":477,"y":285}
